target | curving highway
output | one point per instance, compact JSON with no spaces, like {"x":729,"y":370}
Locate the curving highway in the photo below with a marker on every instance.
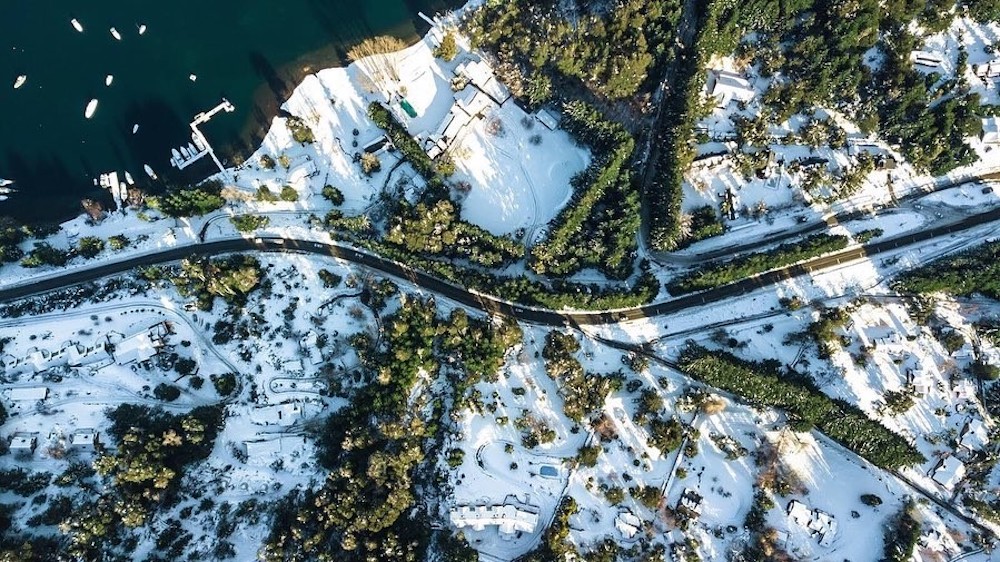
{"x":481,"y":301}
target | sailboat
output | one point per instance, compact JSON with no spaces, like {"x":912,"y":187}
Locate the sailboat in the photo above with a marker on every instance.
{"x":149,"y":172}
{"x":20,"y":81}
{"x":76,"y":25}
{"x":115,"y":34}
{"x":142,"y":28}
{"x":91,"y":108}
{"x":109,"y":79}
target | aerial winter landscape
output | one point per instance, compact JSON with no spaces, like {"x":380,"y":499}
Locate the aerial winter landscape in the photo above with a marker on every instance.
{"x":542,"y":281}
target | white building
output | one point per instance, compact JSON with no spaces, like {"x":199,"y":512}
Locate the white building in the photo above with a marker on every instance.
{"x":510,"y":518}
{"x":546,"y":118}
{"x":729,"y":86}
{"x":628,"y":525}
{"x":691,"y":502}
{"x":472,"y":101}
{"x":949,"y":472}
{"x":283,"y":415}
{"x":964,"y":390}
{"x":819,"y":524}
{"x":991,"y":131}
{"x":481,"y":76}
{"x":24,"y":444}
{"x":85,"y":440}
{"x":142,"y":346}
{"x":29,"y":394}
{"x":987,"y":70}
{"x":79,"y":355}
{"x":975,"y":435}
{"x":893,"y":344}
{"x":921,"y":378}
{"x":265,"y":451}
{"x":927,"y":62}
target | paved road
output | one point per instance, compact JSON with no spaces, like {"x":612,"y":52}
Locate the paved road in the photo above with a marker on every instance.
{"x":485,"y":302}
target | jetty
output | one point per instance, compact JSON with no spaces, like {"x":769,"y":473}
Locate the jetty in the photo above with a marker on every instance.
{"x":186,"y":155}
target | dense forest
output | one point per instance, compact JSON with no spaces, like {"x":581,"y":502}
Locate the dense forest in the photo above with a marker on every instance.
{"x":973,"y":271}
{"x":609,"y":48}
{"x":767,"y":384}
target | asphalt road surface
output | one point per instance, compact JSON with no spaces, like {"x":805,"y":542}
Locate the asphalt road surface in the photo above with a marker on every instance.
{"x":485,"y":302}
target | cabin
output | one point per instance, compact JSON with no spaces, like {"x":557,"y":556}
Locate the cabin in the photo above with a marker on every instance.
{"x":263,"y":452}
{"x":927,"y":62}
{"x":728,"y":87}
{"x":988,"y":70}
{"x":948,"y":472}
{"x":22,"y":444}
{"x":84,"y":440}
{"x":545,"y":117}
{"x":690,"y":503}
{"x":974,"y":436}
{"x":283,"y":415}
{"x":820,"y":525}
{"x":628,"y":525}
{"x":480,"y":75}
{"x":29,"y":394}
{"x":511,"y":518}
{"x":990,"y":133}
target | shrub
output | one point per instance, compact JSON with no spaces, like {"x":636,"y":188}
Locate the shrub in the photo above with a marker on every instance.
{"x":267,"y":162}
{"x":871,"y":500}
{"x":193,"y":201}
{"x":166,"y":392}
{"x":224,"y":384}
{"x":456,"y":457}
{"x":44,"y":254}
{"x":265,"y":194}
{"x":289,"y":194}
{"x":333,"y":195}
{"x":615,"y":495}
{"x":448,"y":49}
{"x":587,"y":456}
{"x":249,"y":223}
{"x":370,"y":164}
{"x":89,"y":246}
{"x":300,"y":131}
{"x":118,"y":242}
{"x":329,"y":279}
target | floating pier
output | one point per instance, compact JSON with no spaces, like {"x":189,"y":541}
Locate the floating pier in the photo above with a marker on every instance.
{"x":200,"y":146}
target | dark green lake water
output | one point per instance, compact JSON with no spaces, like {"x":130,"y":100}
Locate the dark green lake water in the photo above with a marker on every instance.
{"x":251,"y":52}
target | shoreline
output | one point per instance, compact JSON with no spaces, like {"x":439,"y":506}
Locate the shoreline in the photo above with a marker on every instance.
{"x":275,"y":87}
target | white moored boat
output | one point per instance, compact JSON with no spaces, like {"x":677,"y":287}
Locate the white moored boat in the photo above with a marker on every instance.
{"x":91,"y":108}
{"x":109,"y":79}
{"x":135,"y":128}
{"x":76,"y":25}
{"x":6,"y":190}
{"x":149,"y":171}
{"x":4,"y":182}
{"x":115,"y":34}
{"x":20,"y":81}
{"x":3,"y":198}
{"x":142,"y":28}
{"x":128,"y":179}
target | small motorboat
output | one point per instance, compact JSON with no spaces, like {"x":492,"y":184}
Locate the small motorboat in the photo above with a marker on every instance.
{"x":128,"y":179}
{"x":198,"y":142}
{"x":20,"y":80}
{"x":6,"y":190}
{"x":76,"y":25}
{"x":149,"y":172}
{"x":191,"y":148}
{"x":115,"y":34}
{"x":135,"y":128}
{"x":142,"y":28}
{"x":91,"y":108}
{"x":193,"y":77}
{"x":4,"y":183}
{"x":4,"y":198}
{"x":185,"y":152}
{"x":109,"y":79}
